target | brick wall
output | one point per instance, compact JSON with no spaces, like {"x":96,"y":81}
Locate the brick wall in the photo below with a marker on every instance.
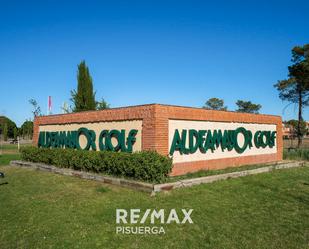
{"x":144,"y":113}
{"x":155,"y":119}
{"x":166,"y":112}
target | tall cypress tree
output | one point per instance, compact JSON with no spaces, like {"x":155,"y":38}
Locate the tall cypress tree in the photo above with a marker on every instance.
{"x":84,"y":98}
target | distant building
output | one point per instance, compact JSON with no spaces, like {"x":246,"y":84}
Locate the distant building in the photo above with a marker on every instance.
{"x":287,"y":131}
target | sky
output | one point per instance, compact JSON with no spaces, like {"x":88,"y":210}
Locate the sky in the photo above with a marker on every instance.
{"x":141,"y":52}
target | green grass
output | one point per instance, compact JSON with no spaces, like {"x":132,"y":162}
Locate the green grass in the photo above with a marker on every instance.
{"x":6,"y":158}
{"x":296,"y":154}
{"x":202,"y":173}
{"x":9,"y":147}
{"x":45,"y":210}
{"x":12,"y":147}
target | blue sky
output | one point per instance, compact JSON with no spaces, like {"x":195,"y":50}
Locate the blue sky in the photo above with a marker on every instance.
{"x":139,"y":52}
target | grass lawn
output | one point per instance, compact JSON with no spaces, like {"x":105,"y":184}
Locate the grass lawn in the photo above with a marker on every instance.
{"x":44,"y":210}
{"x":9,"y":147}
{"x":296,"y":154}
{"x":9,"y":152}
{"x":203,"y":173}
{"x":6,"y":158}
{"x":13,"y":146}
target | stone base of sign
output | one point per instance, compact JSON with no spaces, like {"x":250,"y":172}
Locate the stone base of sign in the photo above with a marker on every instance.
{"x":154,"y":188}
{"x":214,"y":178}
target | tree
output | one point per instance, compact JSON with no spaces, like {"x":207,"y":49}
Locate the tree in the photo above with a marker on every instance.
{"x":247,"y":106}
{"x":215,"y":104}
{"x":84,"y":98}
{"x":102,"y":105}
{"x":27,"y":129}
{"x":295,"y":89}
{"x":5,"y":132}
{"x":36,"y":108}
{"x":15,"y":133}
{"x":295,"y":124}
{"x":65,"y":108}
{"x":10,"y":126}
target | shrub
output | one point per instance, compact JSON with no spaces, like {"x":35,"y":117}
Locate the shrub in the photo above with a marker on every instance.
{"x":146,"y":165}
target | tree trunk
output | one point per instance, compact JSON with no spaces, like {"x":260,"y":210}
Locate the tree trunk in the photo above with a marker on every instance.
{"x":300,"y":118}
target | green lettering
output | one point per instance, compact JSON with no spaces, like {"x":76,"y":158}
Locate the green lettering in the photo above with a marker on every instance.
{"x":176,"y":143}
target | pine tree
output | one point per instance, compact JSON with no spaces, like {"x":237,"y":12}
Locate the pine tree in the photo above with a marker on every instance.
{"x":215,"y":104}
{"x":84,"y":98}
{"x":295,"y":88}
{"x":247,"y":106}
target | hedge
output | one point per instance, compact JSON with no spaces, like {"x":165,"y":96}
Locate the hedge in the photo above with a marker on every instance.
{"x":147,"y":166}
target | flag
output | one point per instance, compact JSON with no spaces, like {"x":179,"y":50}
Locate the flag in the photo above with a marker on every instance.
{"x":49,"y":105}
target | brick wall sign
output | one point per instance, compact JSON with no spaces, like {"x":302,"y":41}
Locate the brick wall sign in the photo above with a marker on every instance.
{"x":196,"y":139}
{"x":191,"y":141}
{"x":125,"y":136}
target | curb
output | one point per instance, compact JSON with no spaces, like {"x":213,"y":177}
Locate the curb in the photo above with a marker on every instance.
{"x":214,"y":178}
{"x":155,"y":188}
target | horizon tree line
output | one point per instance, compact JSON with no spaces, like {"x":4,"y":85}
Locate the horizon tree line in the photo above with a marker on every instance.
{"x":243,"y":106}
